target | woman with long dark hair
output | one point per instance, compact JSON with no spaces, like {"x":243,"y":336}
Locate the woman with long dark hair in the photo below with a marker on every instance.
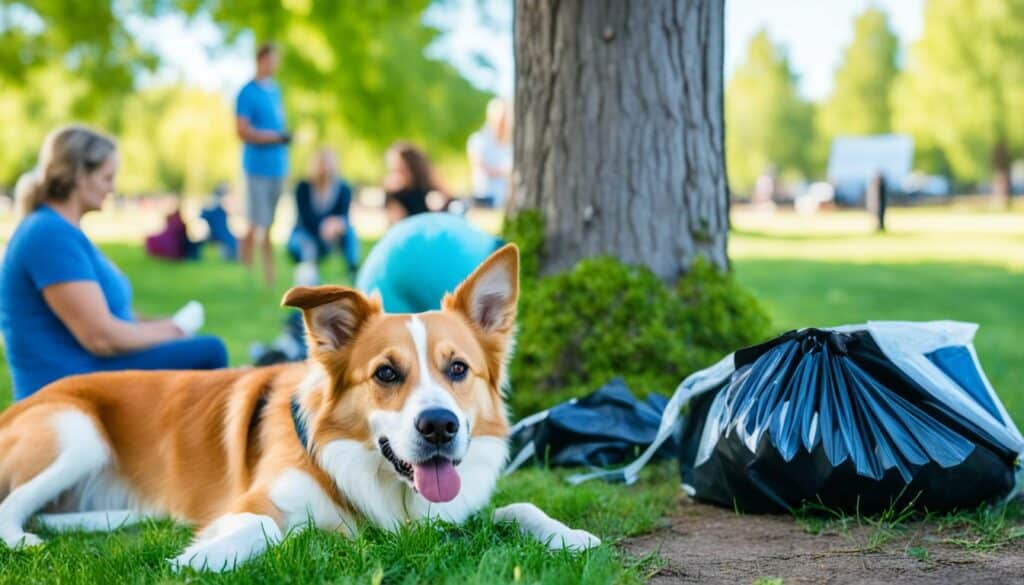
{"x":410,"y":180}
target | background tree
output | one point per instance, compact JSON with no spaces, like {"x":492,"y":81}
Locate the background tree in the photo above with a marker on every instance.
{"x":963,"y":91}
{"x":619,"y":133}
{"x":177,"y":139}
{"x":356,"y":75}
{"x":770,"y":127}
{"x":360,"y":65}
{"x":862,"y":85}
{"x":860,"y":103}
{"x":85,"y":37}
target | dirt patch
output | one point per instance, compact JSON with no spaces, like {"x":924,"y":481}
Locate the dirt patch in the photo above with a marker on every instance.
{"x":706,"y":544}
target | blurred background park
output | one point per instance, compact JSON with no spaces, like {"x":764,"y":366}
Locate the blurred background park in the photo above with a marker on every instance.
{"x":818,"y":99}
{"x":162,"y":75}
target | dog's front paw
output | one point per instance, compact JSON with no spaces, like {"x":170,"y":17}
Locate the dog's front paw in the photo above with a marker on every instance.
{"x":555,"y":535}
{"x":574,"y":540}
{"x":230,"y":541}
{"x":20,"y":540}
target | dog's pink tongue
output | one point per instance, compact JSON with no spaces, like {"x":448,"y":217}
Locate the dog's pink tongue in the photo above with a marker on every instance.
{"x":437,"y":480}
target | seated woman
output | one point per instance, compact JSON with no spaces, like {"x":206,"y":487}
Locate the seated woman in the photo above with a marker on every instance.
{"x":64,"y":307}
{"x":322,"y":224}
{"x":216,"y":218}
{"x":421,"y":258}
{"x":409,"y":181}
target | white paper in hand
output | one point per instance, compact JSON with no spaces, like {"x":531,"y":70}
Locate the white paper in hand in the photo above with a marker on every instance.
{"x":190,"y":317}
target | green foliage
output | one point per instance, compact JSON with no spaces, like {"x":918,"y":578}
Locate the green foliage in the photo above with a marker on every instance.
{"x":602,"y":319}
{"x":360,"y":66}
{"x":768,"y":125}
{"x":355,"y":76}
{"x":963,"y":90}
{"x":526,"y":229}
{"x":177,"y":139}
{"x":860,"y":100}
{"x":859,"y":103}
{"x":85,"y":37}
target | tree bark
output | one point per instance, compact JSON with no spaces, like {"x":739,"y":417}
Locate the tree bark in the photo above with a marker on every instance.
{"x":619,"y":132}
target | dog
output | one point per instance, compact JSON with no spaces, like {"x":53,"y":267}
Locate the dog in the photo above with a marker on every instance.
{"x":394,"y":418}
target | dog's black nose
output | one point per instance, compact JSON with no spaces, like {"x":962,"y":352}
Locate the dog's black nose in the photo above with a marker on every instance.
{"x":437,"y":425}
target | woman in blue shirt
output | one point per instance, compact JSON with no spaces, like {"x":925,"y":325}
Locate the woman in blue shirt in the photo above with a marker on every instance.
{"x":64,"y":307}
{"x":321,"y":218}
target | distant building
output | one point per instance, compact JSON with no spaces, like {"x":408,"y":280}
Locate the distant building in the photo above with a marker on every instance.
{"x":854,"y":160}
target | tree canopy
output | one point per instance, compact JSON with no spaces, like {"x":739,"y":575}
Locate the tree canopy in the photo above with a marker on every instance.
{"x":768,"y":124}
{"x":356,"y":76}
{"x":963,"y":91}
{"x":859,"y":103}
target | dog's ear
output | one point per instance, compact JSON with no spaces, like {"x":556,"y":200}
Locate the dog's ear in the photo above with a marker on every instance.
{"x":488,"y":296}
{"x":333,"y":314}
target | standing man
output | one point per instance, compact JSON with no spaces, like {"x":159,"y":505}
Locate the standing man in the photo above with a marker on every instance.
{"x":260,"y":123}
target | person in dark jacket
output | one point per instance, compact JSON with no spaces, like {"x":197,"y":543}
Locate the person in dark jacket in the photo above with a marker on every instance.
{"x":322,"y":220}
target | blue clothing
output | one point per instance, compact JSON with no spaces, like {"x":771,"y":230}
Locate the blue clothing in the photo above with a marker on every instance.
{"x":306,"y":247}
{"x":202,"y":352}
{"x":260,"y":103}
{"x":45,"y":250}
{"x":421,"y":258}
{"x":217,"y":219}
{"x":305,"y":239}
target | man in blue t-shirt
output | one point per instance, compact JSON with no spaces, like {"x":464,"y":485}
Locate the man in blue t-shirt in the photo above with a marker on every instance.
{"x":261,"y":125}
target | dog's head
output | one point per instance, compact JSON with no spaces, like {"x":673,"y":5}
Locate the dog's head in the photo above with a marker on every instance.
{"x":418,"y":388}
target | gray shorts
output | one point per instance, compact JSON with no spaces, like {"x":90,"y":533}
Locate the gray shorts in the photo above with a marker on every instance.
{"x":262,"y":194}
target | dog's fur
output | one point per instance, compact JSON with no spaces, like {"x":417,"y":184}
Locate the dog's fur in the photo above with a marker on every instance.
{"x":224,"y":450}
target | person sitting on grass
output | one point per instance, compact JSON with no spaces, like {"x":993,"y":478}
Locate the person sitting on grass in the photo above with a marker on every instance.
{"x":216,"y":218}
{"x":64,"y":307}
{"x":322,"y":222}
{"x":172,"y":242}
{"x":409,"y":181}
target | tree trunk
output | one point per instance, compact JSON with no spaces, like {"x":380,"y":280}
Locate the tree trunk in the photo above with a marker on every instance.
{"x":1001,"y":172}
{"x":619,"y":136}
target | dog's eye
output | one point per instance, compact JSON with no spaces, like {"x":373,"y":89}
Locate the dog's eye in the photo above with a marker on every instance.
{"x":457,"y":370}
{"x":386,"y":375}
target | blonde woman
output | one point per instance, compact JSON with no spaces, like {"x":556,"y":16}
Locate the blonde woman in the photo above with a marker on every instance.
{"x":64,"y":307}
{"x":322,"y":221}
{"x":490,"y":155}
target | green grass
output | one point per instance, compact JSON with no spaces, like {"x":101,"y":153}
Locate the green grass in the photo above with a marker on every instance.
{"x":834,"y":275}
{"x":476,"y":552}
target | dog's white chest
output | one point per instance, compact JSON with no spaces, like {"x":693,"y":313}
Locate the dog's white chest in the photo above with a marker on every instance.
{"x":302,"y":501}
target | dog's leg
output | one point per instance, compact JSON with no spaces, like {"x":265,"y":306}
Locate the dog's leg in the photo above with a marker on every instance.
{"x":233,"y":538}
{"x":96,"y":521}
{"x":534,"y":522}
{"x":80,"y":451}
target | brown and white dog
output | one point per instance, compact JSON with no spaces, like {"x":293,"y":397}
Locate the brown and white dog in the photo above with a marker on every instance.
{"x":394,"y":418}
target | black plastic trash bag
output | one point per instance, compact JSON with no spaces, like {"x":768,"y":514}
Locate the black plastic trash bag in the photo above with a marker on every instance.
{"x":858,"y":419}
{"x":608,"y":427}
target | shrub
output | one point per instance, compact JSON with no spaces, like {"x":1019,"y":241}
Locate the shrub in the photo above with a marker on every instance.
{"x":526,"y":229}
{"x":602,"y":319}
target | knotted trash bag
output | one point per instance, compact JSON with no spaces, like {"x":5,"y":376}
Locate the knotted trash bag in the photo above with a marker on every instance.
{"x":857,"y":419}
{"x":608,"y":427}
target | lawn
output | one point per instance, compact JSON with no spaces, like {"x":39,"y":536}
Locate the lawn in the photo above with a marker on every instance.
{"x":826,"y":271}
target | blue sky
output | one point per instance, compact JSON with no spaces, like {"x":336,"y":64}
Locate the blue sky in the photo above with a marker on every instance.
{"x":814,"y":32}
